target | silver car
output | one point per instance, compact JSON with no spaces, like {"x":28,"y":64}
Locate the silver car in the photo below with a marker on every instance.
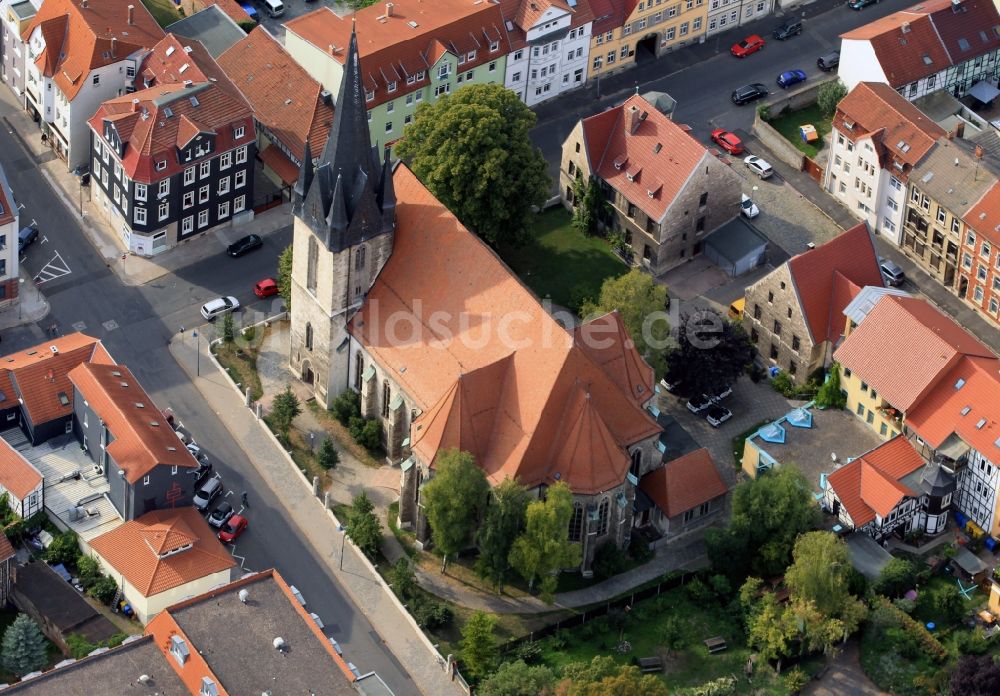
{"x":758,"y":166}
{"x":892,"y":273}
{"x":219,"y":306}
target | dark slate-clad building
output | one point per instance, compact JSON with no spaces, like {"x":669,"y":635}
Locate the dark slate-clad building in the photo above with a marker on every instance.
{"x":175,"y":158}
{"x":126,"y":435}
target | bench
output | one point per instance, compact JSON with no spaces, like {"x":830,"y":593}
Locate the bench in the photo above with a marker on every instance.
{"x":648,"y":665}
{"x":715,"y":644}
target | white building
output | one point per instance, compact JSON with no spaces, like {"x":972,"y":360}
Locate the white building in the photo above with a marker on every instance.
{"x":549,"y":41}
{"x":9,"y":227}
{"x":22,"y":483}
{"x":15,"y":15}
{"x":937,"y":45}
{"x":877,"y":138}
{"x":726,"y":14}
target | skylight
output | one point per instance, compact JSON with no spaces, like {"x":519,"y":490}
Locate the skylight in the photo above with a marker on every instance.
{"x":960,"y":383}
{"x":980,"y":424}
{"x":965,"y":411}
{"x":964,"y":44}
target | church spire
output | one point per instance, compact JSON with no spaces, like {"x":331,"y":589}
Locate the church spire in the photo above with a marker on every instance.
{"x":349,"y":146}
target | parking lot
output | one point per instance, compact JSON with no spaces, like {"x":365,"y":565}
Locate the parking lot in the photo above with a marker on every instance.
{"x":293,"y":9}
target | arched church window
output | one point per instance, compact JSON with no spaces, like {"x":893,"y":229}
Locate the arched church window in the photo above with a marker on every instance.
{"x":576,"y":523}
{"x":359,"y":258}
{"x":359,"y":369}
{"x":313,"y":262}
{"x":386,"y":395}
{"x":636,"y":461}
{"x":309,"y":336}
{"x":602,"y":517}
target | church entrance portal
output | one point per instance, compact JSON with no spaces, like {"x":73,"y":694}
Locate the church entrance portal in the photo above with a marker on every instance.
{"x":307,"y":373}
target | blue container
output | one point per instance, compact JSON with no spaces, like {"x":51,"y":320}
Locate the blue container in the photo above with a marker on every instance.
{"x":990,"y":543}
{"x":960,"y":519}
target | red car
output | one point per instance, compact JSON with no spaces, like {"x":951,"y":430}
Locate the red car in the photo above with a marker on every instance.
{"x":727,"y":141}
{"x":266,"y":287}
{"x":750,"y":44}
{"x":233,"y":527}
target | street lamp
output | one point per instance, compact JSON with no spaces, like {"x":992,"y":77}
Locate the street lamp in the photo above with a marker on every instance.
{"x":20,"y":297}
{"x":197,"y":353}
{"x":343,"y":541}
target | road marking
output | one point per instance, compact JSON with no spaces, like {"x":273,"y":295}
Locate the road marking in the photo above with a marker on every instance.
{"x":243,"y":560}
{"x":44,"y":239}
{"x":80,"y":326}
{"x":110,"y":325}
{"x":55,"y":268}
{"x":228,"y":493}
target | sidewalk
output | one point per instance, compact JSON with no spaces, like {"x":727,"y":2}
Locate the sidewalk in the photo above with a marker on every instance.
{"x":132,"y":270}
{"x":30,"y":307}
{"x":306,"y":512}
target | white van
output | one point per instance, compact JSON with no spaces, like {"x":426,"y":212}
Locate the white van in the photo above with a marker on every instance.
{"x":274,"y":8}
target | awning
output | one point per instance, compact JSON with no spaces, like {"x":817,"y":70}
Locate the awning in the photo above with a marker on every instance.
{"x":984,"y":91}
{"x":279,"y":163}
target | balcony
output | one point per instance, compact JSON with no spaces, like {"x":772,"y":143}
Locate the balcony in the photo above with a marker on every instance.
{"x":891,"y":415}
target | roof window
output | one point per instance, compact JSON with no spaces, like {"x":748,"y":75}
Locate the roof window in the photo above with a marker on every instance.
{"x":63,"y":399}
{"x":960,"y":383}
{"x":965,"y":411}
{"x":981,"y":424}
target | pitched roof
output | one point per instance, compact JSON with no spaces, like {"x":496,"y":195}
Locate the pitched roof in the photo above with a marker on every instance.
{"x":984,"y":215}
{"x":6,"y":550}
{"x":232,"y":8}
{"x":285,"y":99}
{"x":17,"y":474}
{"x":872,"y":483}
{"x":684,"y":483}
{"x":828,"y":277}
{"x":608,"y":14}
{"x":409,"y":41}
{"x":902,"y":134}
{"x":503,"y":400}
{"x":953,"y":176}
{"x":79,"y":39}
{"x":146,"y":550}
{"x":39,"y":376}
{"x":143,"y":440}
{"x":641,"y":153}
{"x":606,"y":341}
{"x":525,"y":14}
{"x":925,"y":345}
{"x":924,"y":39}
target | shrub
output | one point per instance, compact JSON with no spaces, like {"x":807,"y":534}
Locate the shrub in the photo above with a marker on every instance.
{"x":327,"y":457}
{"x":673,"y":632}
{"x":250,"y":332}
{"x":103,"y":590}
{"x":971,"y":642}
{"x":63,"y":549}
{"x":228,"y":328}
{"x":248,"y":26}
{"x":795,"y":680}
{"x":401,"y":577}
{"x":87,"y":570}
{"x":638,"y":550}
{"x":355,"y":424}
{"x":720,"y":584}
{"x":699,"y":592}
{"x":346,"y":406}
{"x":723,"y":686}
{"x":371,"y":435}
{"x":896,"y":578}
{"x":529,"y":652}
{"x":764,"y":111}
{"x":429,"y":613}
{"x":829,"y":96}
{"x":608,"y":560}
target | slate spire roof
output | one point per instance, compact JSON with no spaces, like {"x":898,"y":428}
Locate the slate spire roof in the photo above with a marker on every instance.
{"x":348,"y":198}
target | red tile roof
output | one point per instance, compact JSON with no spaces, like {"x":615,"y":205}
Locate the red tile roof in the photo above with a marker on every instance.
{"x":524,"y":15}
{"x":143,"y":439}
{"x":903,"y":348}
{"x":279,"y":163}
{"x":17,"y":474}
{"x":497,"y":388}
{"x":80,"y":39}
{"x":828,"y":277}
{"x":684,"y":483}
{"x":984,"y":215}
{"x":606,"y":341}
{"x":871,"y":484}
{"x":642,"y":154}
{"x":392,"y":48}
{"x":39,"y":376}
{"x":929,"y":37}
{"x":6,"y":550}
{"x":902,"y":134}
{"x":146,"y":550}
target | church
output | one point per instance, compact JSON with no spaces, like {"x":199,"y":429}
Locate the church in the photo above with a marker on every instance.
{"x":392,"y":297}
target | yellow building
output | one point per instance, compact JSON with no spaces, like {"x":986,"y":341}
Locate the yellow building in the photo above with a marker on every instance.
{"x":631,"y":31}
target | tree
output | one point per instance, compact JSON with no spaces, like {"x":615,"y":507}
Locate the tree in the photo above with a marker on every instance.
{"x":975,"y":675}
{"x":503,"y":522}
{"x":829,"y":395}
{"x":544,"y":548}
{"x":363,"y":526}
{"x":285,"y":276}
{"x":772,"y":630}
{"x":589,"y":205}
{"x":769,"y":513}
{"x":360,"y":4}
{"x":347,"y":405}
{"x":897,"y":577}
{"x":603,"y":676}
{"x":453,"y":500}
{"x":820,"y":571}
{"x":518,"y":679}
{"x":401,"y":577}
{"x":710,"y":353}
{"x":87,"y":570}
{"x":636,"y":298}
{"x":829,"y":96}
{"x":63,"y":549}
{"x":472,"y":150}
{"x":285,"y":408}
{"x":23,"y":647}
{"x":228,"y":328}
{"x":478,"y":648}
{"x":103,"y":590}
{"x":328,"y":457}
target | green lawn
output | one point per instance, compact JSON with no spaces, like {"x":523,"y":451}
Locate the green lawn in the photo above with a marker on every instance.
{"x":563,"y":263}
{"x":788,"y":125}
{"x":163,"y":11}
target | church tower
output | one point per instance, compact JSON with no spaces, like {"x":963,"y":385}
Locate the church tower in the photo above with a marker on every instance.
{"x":344,"y":211}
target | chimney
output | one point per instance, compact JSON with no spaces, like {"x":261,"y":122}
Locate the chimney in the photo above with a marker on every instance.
{"x":633,"y":119}
{"x":388,"y":9}
{"x":83,"y":4}
{"x":131,"y":14}
{"x":960,"y":130}
{"x":114,"y":45}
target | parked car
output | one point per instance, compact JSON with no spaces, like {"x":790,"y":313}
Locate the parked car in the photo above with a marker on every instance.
{"x":203,"y":470}
{"x":266,"y":287}
{"x":728,"y":391}
{"x":750,"y":44}
{"x":861,"y":4}
{"x":791,"y":77}
{"x":717,"y":415}
{"x":828,"y":61}
{"x":221,"y":514}
{"x":219,"y":306}
{"x":892,"y":273}
{"x":211,"y":490}
{"x":748,"y":93}
{"x":787,"y":29}
{"x":697,"y":404}
{"x":244,"y":245}
{"x":25,"y":237}
{"x":727,"y":141}
{"x":748,"y":207}
{"x":671,"y":387}
{"x":231,"y":530}
{"x":758,"y":166}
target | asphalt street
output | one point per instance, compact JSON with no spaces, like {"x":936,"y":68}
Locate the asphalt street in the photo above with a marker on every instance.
{"x":135,"y":325}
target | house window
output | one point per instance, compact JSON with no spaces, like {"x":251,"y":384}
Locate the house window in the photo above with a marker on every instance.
{"x":390,"y":107}
{"x":145,"y":480}
{"x":756,"y":312}
{"x":359,"y":258}
{"x":164,"y":210}
{"x":139,"y":215}
{"x":309,"y":336}
{"x":240,"y":179}
{"x":241,"y":155}
{"x":223,"y":185}
{"x":204,"y":170}
{"x":576,"y":523}
{"x":774,"y":351}
{"x":388,"y":126}
{"x":187,"y":224}
{"x":173,"y":470}
{"x":770,"y":296}
{"x":777,"y":327}
{"x":97,"y":80}
{"x":202,"y":218}
{"x":225,"y":160}
{"x":188,"y":199}
{"x":223,"y":210}
{"x":238,"y":132}
{"x":359,"y":369}
{"x":386,"y":396}
{"x":239,"y":204}
{"x":796,"y":344}
{"x":636,"y":465}
{"x":163,"y":189}
{"x":602,"y":517}
{"x":189,"y":176}
{"x":203,"y":194}
{"x":311,"y":265}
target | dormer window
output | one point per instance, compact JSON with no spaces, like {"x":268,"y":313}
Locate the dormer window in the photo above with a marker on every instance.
{"x":392,"y":86}
{"x":208,"y":688}
{"x":621,"y":161}
{"x":471,"y":57}
{"x":238,"y":132}
{"x":369,"y":95}
{"x":179,"y":649}
{"x":494,"y":46}
{"x":161,"y":165}
{"x":849,"y":125}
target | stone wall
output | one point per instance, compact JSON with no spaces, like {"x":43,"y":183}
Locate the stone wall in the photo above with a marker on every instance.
{"x":777,"y":144}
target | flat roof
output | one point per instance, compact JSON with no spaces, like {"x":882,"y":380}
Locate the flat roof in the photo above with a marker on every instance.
{"x":736,"y":239}
{"x":60,"y":604}
{"x":867,"y":556}
{"x":216,"y":30}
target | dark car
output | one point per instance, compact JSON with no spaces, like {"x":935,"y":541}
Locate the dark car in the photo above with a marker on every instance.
{"x":828,"y":61}
{"x":203,"y":470}
{"x":748,"y":93}
{"x":791,"y":77}
{"x":25,"y":237}
{"x":221,"y":514}
{"x":244,"y":245}
{"x":697,"y":404}
{"x":861,"y":4}
{"x":717,"y":415}
{"x":787,"y":29}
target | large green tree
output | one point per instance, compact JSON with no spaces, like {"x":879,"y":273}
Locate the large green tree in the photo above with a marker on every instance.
{"x":544,"y":548}
{"x":772,"y":630}
{"x":285,"y":276}
{"x":820,"y":572}
{"x":829,"y":96}
{"x":284,"y":409}
{"x":769,"y":513}
{"x":363,"y":525}
{"x":471,"y":149}
{"x":830,"y":395}
{"x":453,"y":500}
{"x":710,"y":354}
{"x":502,"y":524}
{"x":23,"y":647}
{"x":602,"y":676}
{"x":642,"y":305}
{"x":518,"y":679}
{"x":478,"y":648}
{"x":897,"y":577}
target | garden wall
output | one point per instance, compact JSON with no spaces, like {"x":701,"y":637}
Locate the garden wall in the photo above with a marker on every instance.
{"x":777,"y":144}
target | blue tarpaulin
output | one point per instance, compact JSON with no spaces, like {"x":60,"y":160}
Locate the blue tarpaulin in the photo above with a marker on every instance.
{"x":249,"y":9}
